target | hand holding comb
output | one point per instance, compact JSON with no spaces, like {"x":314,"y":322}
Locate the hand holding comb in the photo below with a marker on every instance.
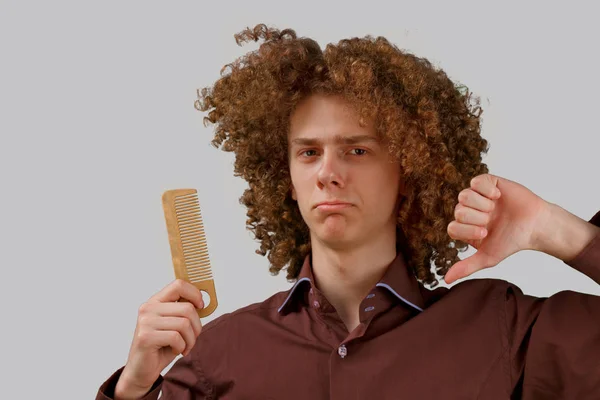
{"x":187,"y":239}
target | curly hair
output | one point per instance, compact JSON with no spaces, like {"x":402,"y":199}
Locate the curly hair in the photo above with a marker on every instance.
{"x":430,"y":124}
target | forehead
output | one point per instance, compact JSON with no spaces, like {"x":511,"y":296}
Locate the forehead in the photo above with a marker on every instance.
{"x":326,"y":117}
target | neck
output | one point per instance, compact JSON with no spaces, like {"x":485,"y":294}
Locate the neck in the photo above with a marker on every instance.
{"x":345,"y":276}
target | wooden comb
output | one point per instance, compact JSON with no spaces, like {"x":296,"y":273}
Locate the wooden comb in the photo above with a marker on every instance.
{"x":188,"y":243}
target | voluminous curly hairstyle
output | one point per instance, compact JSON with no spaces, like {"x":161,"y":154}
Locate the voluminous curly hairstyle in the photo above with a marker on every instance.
{"x":430,"y":125}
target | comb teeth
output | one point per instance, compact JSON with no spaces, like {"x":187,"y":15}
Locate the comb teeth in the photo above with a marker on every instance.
{"x":193,"y":239}
{"x":187,"y":239}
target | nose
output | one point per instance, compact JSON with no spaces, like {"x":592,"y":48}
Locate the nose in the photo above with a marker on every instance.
{"x":331,"y":171}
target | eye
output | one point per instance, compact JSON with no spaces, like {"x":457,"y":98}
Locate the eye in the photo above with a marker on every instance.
{"x":304,"y":152}
{"x":360,"y":152}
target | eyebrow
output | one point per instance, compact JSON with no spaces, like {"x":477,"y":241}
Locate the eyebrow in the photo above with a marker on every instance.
{"x":338,"y":139}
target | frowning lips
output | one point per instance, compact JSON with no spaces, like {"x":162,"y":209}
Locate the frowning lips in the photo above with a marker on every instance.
{"x":332,"y":204}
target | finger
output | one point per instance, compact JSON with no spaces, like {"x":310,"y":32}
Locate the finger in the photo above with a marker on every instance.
{"x":486,"y":185}
{"x":471,"y":198}
{"x":157,"y":339}
{"x":178,"y":289}
{"x":181,"y":325}
{"x":471,"y":216}
{"x":181,"y":310}
{"x":464,"y":232}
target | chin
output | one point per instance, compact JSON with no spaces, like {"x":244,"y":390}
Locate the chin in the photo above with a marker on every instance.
{"x":337,"y":239}
{"x":333,"y":228}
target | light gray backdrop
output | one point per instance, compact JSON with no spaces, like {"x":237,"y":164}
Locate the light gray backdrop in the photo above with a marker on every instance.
{"x":97,"y":120}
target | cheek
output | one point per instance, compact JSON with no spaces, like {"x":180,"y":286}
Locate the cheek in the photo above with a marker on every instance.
{"x":381,"y":189}
{"x":302,"y":181}
{"x":300,"y":192}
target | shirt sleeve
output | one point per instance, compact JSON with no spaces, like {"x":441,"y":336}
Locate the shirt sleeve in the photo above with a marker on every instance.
{"x":184,"y":381}
{"x":553,"y":344}
{"x":107,"y":389}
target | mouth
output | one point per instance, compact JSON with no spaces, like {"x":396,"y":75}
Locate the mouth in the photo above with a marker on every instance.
{"x":332,"y":206}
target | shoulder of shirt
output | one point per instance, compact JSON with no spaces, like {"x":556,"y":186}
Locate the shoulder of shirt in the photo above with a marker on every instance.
{"x":485,"y":284}
{"x":254,"y":309}
{"x":222,"y":333}
{"x":498,"y":286}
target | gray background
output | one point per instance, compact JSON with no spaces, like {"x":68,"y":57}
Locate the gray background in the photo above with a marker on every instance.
{"x":97,"y":120}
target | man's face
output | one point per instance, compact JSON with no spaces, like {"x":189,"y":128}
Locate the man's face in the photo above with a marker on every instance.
{"x":333,"y":159}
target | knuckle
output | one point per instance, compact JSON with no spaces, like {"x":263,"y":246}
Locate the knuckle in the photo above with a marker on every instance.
{"x":175,"y":337}
{"x":178,"y":344}
{"x":450,"y":229}
{"x":186,"y":324}
{"x":143,"y":337}
{"x":143,"y":319}
{"x":190,"y":308}
{"x":182,"y":344}
{"x":143,"y":309}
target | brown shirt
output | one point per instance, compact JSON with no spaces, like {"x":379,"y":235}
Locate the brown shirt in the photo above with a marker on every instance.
{"x":481,"y":339}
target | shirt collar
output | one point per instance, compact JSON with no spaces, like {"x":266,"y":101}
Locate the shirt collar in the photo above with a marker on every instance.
{"x":305,"y":279}
{"x":397,"y":279}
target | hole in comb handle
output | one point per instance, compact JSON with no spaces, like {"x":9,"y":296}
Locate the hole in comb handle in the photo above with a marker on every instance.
{"x":205,"y":298}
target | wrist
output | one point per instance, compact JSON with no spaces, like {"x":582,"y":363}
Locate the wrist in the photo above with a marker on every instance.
{"x":545,"y":228}
{"x":562,"y":234}
{"x":126,"y":390}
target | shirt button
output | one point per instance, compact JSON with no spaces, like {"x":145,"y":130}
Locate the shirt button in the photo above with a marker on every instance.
{"x":342,"y":351}
{"x":316,"y":304}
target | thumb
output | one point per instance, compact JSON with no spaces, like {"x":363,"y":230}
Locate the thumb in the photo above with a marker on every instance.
{"x":465,"y":267}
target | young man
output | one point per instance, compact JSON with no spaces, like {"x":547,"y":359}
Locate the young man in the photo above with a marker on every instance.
{"x":371,"y":168}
